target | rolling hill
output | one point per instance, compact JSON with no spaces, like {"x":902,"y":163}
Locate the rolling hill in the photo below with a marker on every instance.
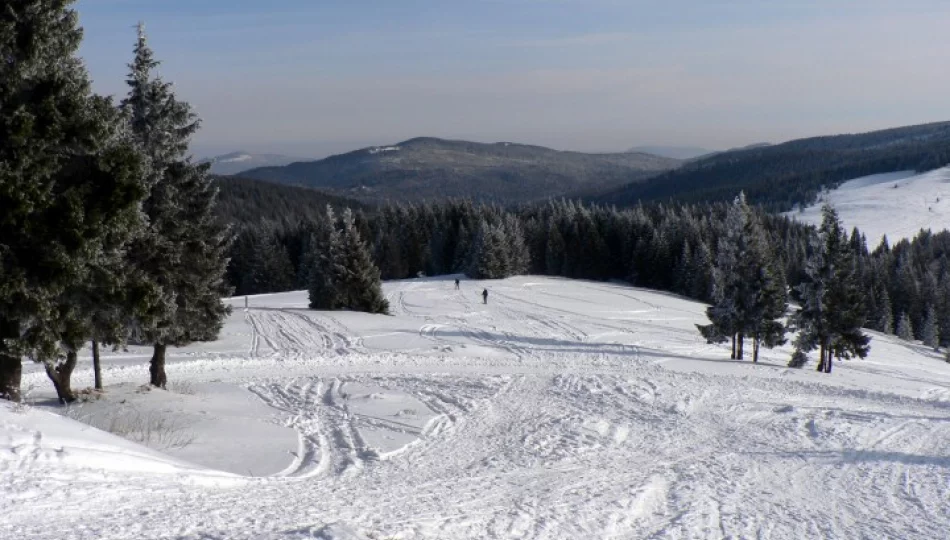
{"x":238,"y":162}
{"x":782,"y":176}
{"x":430,"y":168}
{"x":244,"y":201}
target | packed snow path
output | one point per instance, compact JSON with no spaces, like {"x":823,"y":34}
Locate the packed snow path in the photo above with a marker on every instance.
{"x":560,"y":409}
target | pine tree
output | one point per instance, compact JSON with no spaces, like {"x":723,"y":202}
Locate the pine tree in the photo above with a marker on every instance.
{"x":325,"y":251}
{"x":184,"y":250}
{"x":357,"y":277}
{"x":905,"y":330}
{"x":749,"y":289}
{"x":489,"y":253}
{"x":831,"y":313}
{"x":68,"y":186}
{"x":929,"y":334}
{"x":344,"y":275}
{"x":724,"y":313}
{"x":886,"y":319}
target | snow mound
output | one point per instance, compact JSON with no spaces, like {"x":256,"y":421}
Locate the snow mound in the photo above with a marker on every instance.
{"x":34,"y":441}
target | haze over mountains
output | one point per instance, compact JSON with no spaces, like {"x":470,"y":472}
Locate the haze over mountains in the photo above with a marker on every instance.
{"x":778,"y":176}
{"x":427,"y":168}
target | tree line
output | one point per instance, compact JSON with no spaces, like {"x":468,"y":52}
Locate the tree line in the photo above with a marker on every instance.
{"x":704,"y":251}
{"x":108,"y":232}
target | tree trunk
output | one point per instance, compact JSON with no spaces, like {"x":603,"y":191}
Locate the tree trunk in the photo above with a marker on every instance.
{"x":828,"y":363}
{"x":755,"y":348}
{"x":62,"y":376}
{"x":156,"y":367}
{"x":821,"y":361}
{"x":733,"y":357}
{"x":740,"y":354}
{"x":11,"y":369}
{"x":96,"y":366}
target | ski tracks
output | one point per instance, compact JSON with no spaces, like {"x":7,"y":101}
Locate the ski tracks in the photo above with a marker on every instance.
{"x":293,"y":332}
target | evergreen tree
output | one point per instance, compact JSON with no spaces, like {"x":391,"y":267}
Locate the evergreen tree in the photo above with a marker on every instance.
{"x":344,"y":275}
{"x":905,"y":330}
{"x":184,"y":250}
{"x":929,"y":334}
{"x":749,"y":289}
{"x":489,"y":253}
{"x":831,"y":313}
{"x":68,"y":186}
{"x":357,"y":277}
{"x":886,"y":319}
{"x":325,"y":251}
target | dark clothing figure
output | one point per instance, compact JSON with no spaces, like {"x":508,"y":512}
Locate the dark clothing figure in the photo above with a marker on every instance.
{"x":485,"y":296}
{"x":456,"y":284}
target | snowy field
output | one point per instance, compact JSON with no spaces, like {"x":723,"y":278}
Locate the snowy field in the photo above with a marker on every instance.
{"x":562,"y":409}
{"x":897,"y":204}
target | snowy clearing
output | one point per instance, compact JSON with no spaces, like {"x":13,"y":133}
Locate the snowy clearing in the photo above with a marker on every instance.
{"x":561,"y":409}
{"x":897,"y":204}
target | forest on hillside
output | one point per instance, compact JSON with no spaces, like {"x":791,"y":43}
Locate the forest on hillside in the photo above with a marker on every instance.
{"x":781,"y":177}
{"x":905,"y":288}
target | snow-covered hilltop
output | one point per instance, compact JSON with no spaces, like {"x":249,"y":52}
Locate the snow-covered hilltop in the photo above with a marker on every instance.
{"x":559,"y":409}
{"x":897,"y":204}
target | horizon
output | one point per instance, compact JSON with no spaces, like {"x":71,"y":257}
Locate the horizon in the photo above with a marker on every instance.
{"x":309,"y":81}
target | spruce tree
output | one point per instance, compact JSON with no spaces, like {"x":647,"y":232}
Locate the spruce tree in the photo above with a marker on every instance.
{"x":749,"y":289}
{"x":69,"y":187}
{"x":929,"y":334}
{"x":184,"y":250}
{"x":357,"y":277}
{"x":831,"y":313}
{"x":325,"y":252}
{"x":905,"y":330}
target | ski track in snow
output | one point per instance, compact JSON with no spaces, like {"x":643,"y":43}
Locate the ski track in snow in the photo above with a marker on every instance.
{"x":585,"y":411}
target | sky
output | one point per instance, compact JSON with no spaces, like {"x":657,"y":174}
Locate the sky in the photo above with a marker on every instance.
{"x":308,"y":78}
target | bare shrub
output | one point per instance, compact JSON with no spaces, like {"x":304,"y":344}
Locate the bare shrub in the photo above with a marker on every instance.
{"x":151,"y":428}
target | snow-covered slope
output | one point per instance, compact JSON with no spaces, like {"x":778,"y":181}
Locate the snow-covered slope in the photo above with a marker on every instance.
{"x":897,"y":204}
{"x":561,"y":409}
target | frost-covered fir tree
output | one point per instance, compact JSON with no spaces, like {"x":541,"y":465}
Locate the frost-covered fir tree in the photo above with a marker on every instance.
{"x":929,"y":334}
{"x":886,"y":319}
{"x":832,"y":310}
{"x":357,"y":276}
{"x":749,"y":288}
{"x":324,"y":250}
{"x":489,"y":255}
{"x":905,"y":330}
{"x":184,"y":249}
{"x":69,"y":190}
{"x":344,"y":275}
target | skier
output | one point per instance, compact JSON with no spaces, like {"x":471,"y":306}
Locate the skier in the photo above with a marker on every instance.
{"x":456,"y":284}
{"x":485,"y":296}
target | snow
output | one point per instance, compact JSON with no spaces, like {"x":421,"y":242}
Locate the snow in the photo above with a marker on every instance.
{"x":380,"y":149}
{"x":897,"y":204}
{"x":561,"y":409}
{"x":236,"y":159}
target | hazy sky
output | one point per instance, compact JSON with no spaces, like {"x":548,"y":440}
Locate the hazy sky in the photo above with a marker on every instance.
{"x":311,"y":77}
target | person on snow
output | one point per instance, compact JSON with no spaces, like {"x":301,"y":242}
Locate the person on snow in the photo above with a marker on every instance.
{"x":456,"y":284}
{"x":485,"y":296}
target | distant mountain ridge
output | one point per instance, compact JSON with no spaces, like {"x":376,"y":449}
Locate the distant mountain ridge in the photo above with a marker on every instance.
{"x":781,"y":176}
{"x":675,"y":152}
{"x":428,"y":168}
{"x":237,"y":162}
